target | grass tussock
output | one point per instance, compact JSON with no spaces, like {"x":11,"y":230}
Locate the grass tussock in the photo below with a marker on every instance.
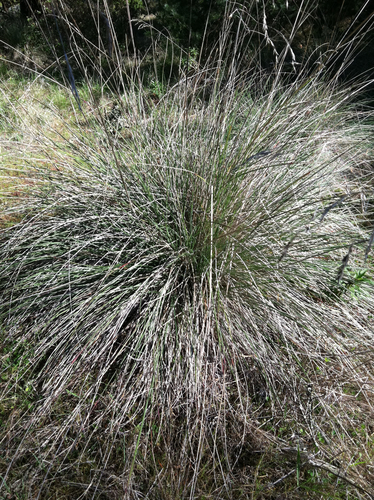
{"x":186,"y":291}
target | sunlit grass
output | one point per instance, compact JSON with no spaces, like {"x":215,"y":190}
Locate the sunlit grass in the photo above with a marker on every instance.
{"x":183,"y":283}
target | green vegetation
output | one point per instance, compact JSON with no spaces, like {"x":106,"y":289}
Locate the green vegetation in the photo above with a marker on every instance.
{"x":186,"y":272}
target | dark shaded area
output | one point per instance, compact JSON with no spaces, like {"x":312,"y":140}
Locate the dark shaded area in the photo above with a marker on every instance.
{"x":28,"y":8}
{"x":362,"y":68}
{"x":195,"y":24}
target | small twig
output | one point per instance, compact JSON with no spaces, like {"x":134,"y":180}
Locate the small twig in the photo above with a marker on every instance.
{"x":344,"y":264}
{"x":271,"y":485}
{"x":320,"y":464}
{"x":310,"y":461}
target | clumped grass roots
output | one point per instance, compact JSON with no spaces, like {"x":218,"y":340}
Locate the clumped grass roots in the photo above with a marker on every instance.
{"x":187,"y":285}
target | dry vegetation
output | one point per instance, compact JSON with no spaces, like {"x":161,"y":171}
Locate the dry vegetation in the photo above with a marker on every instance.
{"x":187,"y":288}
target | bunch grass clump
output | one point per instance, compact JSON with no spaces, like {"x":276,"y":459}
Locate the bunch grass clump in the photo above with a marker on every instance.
{"x":186,"y":283}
